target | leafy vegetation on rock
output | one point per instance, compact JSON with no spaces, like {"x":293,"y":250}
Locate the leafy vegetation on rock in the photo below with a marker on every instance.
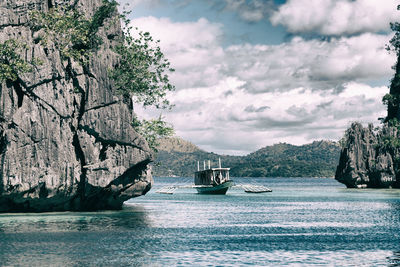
{"x":141,"y":70}
{"x":74,"y":35}
{"x":388,"y":138}
{"x":153,"y":130}
{"x":12,"y":63}
{"x":318,"y":159}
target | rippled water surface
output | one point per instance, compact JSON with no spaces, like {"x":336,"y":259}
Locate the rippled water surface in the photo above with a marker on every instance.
{"x":302,"y":222}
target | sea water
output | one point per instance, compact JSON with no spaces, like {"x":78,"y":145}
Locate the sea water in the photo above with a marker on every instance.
{"x":303,"y":222}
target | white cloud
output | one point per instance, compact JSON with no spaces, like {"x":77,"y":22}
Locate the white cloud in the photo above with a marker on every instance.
{"x":336,"y":17}
{"x":313,"y":64}
{"x":178,"y":36}
{"x":237,"y":99}
{"x":192,"y":48}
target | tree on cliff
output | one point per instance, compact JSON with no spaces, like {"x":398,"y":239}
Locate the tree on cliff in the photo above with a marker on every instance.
{"x":392,"y":100}
{"x":140,"y":72}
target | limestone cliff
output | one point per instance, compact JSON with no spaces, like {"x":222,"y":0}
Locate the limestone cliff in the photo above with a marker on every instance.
{"x":63,"y":148}
{"x":370,"y":157}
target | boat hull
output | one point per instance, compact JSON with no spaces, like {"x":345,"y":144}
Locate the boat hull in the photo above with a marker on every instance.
{"x":220,"y":189}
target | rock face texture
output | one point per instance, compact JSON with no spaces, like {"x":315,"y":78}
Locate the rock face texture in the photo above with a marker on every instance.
{"x":370,"y":158}
{"x":66,"y":141}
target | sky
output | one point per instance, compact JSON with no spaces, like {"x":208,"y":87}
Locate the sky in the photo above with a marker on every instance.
{"x":252,"y":73}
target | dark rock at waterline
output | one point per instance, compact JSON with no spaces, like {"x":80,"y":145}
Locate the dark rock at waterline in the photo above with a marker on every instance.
{"x":61,"y":149}
{"x":370,"y":158}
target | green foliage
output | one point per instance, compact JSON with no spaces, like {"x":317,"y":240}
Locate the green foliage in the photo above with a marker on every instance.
{"x":394,"y":123}
{"x":152,"y":130}
{"x":389,"y":99}
{"x":395,"y":41}
{"x":390,"y":143}
{"x":11,"y":62}
{"x":392,"y":100}
{"x":104,"y":12}
{"x":387,"y":136}
{"x":142,"y":73}
{"x":72,"y":34}
{"x":142,"y":69}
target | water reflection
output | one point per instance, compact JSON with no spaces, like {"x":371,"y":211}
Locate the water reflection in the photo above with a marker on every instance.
{"x":131,"y":217}
{"x":75,"y":238}
{"x":394,"y":260}
{"x":394,"y":219}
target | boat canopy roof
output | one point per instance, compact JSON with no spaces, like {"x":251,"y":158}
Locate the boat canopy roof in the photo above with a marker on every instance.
{"x":215,"y":169}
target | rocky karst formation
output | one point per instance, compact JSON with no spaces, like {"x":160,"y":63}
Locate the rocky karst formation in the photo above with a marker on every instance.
{"x":66,"y":141}
{"x":370,"y":158}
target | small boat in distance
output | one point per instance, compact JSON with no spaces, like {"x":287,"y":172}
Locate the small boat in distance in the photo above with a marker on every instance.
{"x":212,"y":180}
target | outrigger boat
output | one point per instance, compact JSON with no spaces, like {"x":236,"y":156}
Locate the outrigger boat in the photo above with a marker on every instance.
{"x":212,"y":180}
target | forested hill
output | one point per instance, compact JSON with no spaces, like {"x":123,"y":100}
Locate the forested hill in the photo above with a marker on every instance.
{"x":318,"y":159}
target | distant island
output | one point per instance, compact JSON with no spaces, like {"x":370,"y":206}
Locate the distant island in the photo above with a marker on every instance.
{"x":177,"y":157}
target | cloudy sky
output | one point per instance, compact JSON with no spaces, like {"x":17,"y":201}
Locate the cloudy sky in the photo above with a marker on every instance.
{"x":251,"y":73}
